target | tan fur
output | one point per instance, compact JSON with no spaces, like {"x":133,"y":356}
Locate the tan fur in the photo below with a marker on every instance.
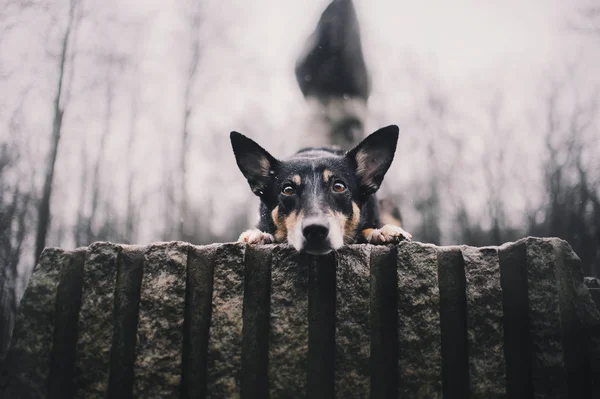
{"x":296,"y":179}
{"x":265,"y":165}
{"x":327,"y":175}
{"x":352,"y":224}
{"x":280,"y":229}
{"x":292,"y":219}
{"x":340,"y":218}
{"x":388,"y":234}
{"x":366,"y":233}
{"x":361,"y":163}
{"x":284,"y":224}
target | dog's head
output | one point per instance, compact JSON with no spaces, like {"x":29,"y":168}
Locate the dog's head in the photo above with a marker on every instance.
{"x":314,"y":199}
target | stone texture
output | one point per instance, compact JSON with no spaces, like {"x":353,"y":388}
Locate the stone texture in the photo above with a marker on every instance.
{"x":95,"y":320}
{"x":419,"y":364}
{"x":157,"y":371}
{"x":593,"y":284}
{"x":484,"y":322}
{"x":383,"y":322}
{"x":68,"y":303}
{"x":136,"y":322}
{"x":288,"y":335}
{"x":549,"y":376}
{"x":28,"y":360}
{"x":515,"y":304}
{"x":224,"y":348}
{"x":198,"y":312}
{"x":255,"y":333}
{"x":130,"y":268}
{"x":352,"y":354}
{"x":580,"y":324}
{"x":320,"y":378}
{"x":453,"y":322}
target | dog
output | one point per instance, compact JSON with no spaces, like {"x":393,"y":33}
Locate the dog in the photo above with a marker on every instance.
{"x":321,"y":198}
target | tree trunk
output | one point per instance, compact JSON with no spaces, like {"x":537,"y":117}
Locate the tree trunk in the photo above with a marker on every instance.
{"x":59,"y":110}
{"x":194,"y":21}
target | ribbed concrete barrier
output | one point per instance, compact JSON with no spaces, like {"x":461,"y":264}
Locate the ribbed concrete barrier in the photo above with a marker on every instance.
{"x":225,"y":321}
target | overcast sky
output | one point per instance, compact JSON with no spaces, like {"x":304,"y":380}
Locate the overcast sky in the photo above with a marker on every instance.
{"x":468,"y":50}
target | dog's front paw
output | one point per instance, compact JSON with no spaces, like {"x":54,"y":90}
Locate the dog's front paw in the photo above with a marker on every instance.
{"x":255,"y":236}
{"x":388,"y":234}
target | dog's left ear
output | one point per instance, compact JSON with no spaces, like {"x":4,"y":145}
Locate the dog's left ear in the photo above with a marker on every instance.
{"x":373,"y":157}
{"x":254,"y":162}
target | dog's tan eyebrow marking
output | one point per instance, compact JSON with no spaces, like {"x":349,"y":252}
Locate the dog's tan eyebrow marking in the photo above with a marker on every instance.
{"x":327,"y":175}
{"x":296,"y":179}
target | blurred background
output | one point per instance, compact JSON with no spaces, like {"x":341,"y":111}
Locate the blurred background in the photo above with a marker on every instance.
{"x":115,"y":117}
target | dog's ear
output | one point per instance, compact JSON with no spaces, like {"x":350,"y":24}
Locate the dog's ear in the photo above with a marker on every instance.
{"x":372,"y":158}
{"x":254,"y":162}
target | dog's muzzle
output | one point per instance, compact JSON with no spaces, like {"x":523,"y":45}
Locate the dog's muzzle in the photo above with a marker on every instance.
{"x":315,"y":231}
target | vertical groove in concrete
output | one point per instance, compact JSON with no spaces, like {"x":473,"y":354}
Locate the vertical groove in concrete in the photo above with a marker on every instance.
{"x":198,"y":311}
{"x":574,"y":302}
{"x":288,"y":333}
{"x":484,"y":323}
{"x":157,"y":370}
{"x":549,"y":375}
{"x":96,"y":320}
{"x":352,"y":333}
{"x":515,"y":304}
{"x":255,"y":333}
{"x":453,"y":323}
{"x":225,"y":343}
{"x":28,"y":359}
{"x":130,"y":267}
{"x":384,"y":323}
{"x":68,"y":303}
{"x":420,"y":361}
{"x":320,"y":377}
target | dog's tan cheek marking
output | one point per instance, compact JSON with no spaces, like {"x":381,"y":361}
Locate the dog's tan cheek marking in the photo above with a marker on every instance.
{"x":292,"y":219}
{"x":327,"y":175}
{"x":352,"y":224}
{"x":296,"y":179}
{"x":341,"y":220}
{"x":280,"y":229}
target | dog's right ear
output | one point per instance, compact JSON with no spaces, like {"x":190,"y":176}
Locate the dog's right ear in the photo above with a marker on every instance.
{"x":254,"y":162}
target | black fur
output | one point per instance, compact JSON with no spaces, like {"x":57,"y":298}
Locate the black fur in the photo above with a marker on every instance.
{"x":361,"y":170}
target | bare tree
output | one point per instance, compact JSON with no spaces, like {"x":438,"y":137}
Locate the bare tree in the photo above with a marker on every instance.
{"x":587,"y":21}
{"x":59,"y":106}
{"x":14,"y":216}
{"x":130,"y":211}
{"x":494,"y":169}
{"x":194,"y":23}
{"x":571,"y":209}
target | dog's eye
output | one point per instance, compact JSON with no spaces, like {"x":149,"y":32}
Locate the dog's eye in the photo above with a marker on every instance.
{"x":339,"y":187}
{"x":288,"y":190}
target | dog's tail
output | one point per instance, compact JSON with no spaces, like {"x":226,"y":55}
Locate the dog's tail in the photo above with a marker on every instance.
{"x":332,"y":75}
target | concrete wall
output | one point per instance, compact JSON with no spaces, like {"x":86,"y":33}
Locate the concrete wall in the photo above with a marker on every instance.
{"x":412,"y":321}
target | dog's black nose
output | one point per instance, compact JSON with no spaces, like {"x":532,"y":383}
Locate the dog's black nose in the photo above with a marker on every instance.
{"x":315,"y":231}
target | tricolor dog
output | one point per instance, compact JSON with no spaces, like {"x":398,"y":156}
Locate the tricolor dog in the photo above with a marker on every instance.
{"x":319,"y":199}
